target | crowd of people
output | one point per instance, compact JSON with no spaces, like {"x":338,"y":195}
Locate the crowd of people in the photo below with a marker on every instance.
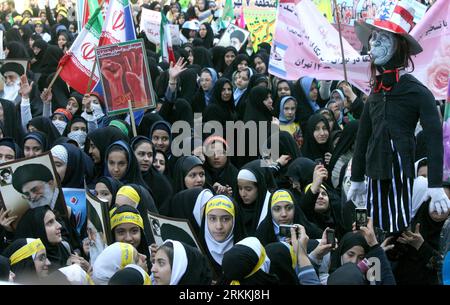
{"x":260,"y":220}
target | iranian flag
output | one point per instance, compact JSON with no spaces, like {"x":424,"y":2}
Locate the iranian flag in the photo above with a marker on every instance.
{"x":78,"y":62}
{"x":118,"y":25}
{"x":89,"y":7}
{"x":166,"y":41}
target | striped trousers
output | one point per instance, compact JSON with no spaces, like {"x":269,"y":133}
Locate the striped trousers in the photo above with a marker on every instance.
{"x":389,"y":201}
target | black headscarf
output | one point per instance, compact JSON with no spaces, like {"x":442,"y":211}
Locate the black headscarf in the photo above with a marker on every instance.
{"x":345,"y":142}
{"x":32,"y":225}
{"x":281,"y":262}
{"x":347,"y":274}
{"x":127,"y":276}
{"x":252,"y":212}
{"x":202,"y":57}
{"x":13,"y":34}
{"x":182,"y":167}
{"x":49,"y":65}
{"x":41,"y":44}
{"x":113,"y":186}
{"x":311,"y":149}
{"x":301,"y":170}
{"x":102,"y":138}
{"x":224,"y":66}
{"x":180,"y":110}
{"x":45,"y":125}
{"x":147,"y":122}
{"x":234,"y":65}
{"x":264,"y":57}
{"x":218,"y":58}
{"x":158,"y":183}
{"x":348,"y":241}
{"x":133,"y":173}
{"x":207,"y":42}
{"x":11,"y":120}
{"x":276,"y":98}
{"x":266,"y":231}
{"x":24,"y":270}
{"x":4,"y":268}
{"x":17,"y":50}
{"x":238,"y":263}
{"x":219,"y":110}
{"x":188,"y":83}
{"x":255,"y":109}
{"x":38,"y":136}
{"x":79,"y":167}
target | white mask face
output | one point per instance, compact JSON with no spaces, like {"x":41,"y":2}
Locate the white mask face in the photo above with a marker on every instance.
{"x":79,"y":136}
{"x":98,"y":111}
{"x":60,"y":125}
{"x":382,"y":47}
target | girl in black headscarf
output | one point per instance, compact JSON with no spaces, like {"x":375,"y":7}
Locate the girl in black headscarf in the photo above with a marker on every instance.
{"x":106,"y":189}
{"x":282,"y":209}
{"x":127,"y":226}
{"x":40,"y":138}
{"x":41,"y":223}
{"x":229,"y":54}
{"x":179,"y":110}
{"x":45,"y":125}
{"x":317,"y":139}
{"x":24,"y":267}
{"x":260,"y":62}
{"x":147,"y":122}
{"x":240,"y":63}
{"x":247,"y":264}
{"x":202,"y":57}
{"x":16,"y":50}
{"x":283,"y":262}
{"x":188,"y":173}
{"x":281,"y":89}
{"x":222,"y":108}
{"x":13,"y":34}
{"x":221,"y":228}
{"x":206,"y":34}
{"x":188,"y":266}
{"x":218,"y":166}
{"x":156,"y":182}
{"x":49,"y":65}
{"x":352,"y":248}
{"x":78,"y":168}
{"x":98,"y":141}
{"x":218,"y":53}
{"x":39,"y":49}
{"x":11,"y":120}
{"x":254,"y":183}
{"x":121,"y":163}
{"x":343,"y":151}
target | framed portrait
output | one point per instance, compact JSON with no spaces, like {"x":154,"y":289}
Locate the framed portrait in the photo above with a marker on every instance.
{"x":98,"y":223}
{"x":164,"y":228}
{"x":125,"y":76}
{"x":234,"y":36}
{"x":30,"y":183}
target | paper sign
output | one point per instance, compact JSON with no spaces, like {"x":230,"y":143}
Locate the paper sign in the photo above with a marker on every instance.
{"x":261,"y":24}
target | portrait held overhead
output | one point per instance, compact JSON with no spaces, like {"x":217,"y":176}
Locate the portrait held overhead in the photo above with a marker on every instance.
{"x":218,"y":143}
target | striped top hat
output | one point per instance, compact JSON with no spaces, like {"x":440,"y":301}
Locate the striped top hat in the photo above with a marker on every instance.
{"x":393,"y":16}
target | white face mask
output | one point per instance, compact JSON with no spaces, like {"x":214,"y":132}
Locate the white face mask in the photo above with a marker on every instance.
{"x":98,"y":111}
{"x":60,"y":125}
{"x":79,"y":136}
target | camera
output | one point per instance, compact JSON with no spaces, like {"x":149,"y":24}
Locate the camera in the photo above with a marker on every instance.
{"x":285,"y":230}
{"x":361,"y":218}
{"x":319,"y":161}
{"x":331,"y":237}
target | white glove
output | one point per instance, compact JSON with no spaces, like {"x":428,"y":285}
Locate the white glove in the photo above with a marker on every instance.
{"x":357,"y":192}
{"x":439,"y":201}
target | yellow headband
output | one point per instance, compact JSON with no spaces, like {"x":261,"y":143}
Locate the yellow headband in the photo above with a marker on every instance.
{"x":27,"y":251}
{"x":130,"y":193}
{"x":127,"y":254}
{"x":147,"y":280}
{"x":293,"y":257}
{"x":309,"y":186}
{"x":261,"y":261}
{"x":220,"y":203}
{"x":126,"y":217}
{"x":281,"y":196}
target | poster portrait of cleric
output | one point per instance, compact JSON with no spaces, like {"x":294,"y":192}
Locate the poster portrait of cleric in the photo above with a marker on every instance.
{"x":237,"y":39}
{"x":37,"y":185}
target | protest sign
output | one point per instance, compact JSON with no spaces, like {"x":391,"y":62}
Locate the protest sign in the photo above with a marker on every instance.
{"x":164,"y":228}
{"x":261,"y":24}
{"x":151,"y":25}
{"x":30,"y":183}
{"x":306,"y":44}
{"x":76,"y":200}
{"x":234,"y":36}
{"x":22,"y":62}
{"x":125,"y":76}
{"x":324,"y":6}
{"x":98,"y":224}
{"x":348,"y":32}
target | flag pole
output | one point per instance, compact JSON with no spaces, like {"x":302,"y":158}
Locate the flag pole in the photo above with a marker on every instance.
{"x":54,"y":78}
{"x":338,"y":19}
{"x":91,"y":77}
{"x":133,"y":123}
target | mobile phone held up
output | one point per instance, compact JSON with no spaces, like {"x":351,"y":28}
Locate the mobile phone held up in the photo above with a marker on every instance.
{"x":285,"y":230}
{"x":361,"y":218}
{"x":331,"y":238}
{"x":319,"y":161}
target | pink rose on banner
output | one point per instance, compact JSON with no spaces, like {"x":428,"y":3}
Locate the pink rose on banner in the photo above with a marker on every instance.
{"x":437,"y":75}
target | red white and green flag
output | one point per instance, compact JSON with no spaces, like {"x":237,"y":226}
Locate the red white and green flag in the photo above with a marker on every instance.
{"x":166,"y":41}
{"x":118,"y":25}
{"x":78,"y":62}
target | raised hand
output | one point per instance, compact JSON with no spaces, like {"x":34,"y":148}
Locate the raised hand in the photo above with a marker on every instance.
{"x":6,"y":220}
{"x":414,"y":239}
{"x":25,"y":87}
{"x":176,"y":69}
{"x":135,"y":79}
{"x":113,"y":72}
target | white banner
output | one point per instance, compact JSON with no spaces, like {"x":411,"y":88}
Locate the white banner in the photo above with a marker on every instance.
{"x":151,"y":25}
